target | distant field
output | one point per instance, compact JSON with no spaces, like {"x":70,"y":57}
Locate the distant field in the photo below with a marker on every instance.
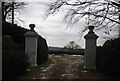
{"x":71,"y":58}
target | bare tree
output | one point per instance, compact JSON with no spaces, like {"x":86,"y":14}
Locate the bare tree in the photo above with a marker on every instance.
{"x":72,"y":45}
{"x":8,"y":9}
{"x":100,"y":13}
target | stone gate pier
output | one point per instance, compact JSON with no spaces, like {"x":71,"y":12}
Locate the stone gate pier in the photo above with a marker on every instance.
{"x":31,"y":45}
{"x":90,"y":49}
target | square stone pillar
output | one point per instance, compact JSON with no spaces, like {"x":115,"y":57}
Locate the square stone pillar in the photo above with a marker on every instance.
{"x":90,"y":50}
{"x":31,"y":45}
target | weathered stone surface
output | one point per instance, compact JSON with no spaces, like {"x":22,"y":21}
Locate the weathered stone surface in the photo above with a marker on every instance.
{"x":90,"y":50}
{"x":31,"y":45}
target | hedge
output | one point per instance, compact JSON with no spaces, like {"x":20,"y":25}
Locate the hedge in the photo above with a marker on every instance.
{"x":108,"y":58}
{"x":42,"y":51}
{"x":14,"y":61}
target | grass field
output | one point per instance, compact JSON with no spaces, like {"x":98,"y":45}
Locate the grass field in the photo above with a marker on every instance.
{"x":71,"y":58}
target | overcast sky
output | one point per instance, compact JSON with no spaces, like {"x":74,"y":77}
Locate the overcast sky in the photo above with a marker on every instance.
{"x":53,"y":29}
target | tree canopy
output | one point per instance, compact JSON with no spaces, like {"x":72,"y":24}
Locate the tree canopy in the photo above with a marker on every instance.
{"x":72,"y":45}
{"x":100,"y":13}
{"x":8,"y":9}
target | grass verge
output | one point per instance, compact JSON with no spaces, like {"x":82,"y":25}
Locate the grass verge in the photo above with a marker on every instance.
{"x":44,"y":64}
{"x":71,"y":58}
{"x":35,"y":70}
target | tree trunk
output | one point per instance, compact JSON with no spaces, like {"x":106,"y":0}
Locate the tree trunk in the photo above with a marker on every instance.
{"x":3,"y":16}
{"x":12,"y":12}
{"x":119,"y":21}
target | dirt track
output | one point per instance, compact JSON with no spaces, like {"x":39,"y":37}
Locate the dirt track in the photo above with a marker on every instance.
{"x":62,"y":69}
{"x":65,"y":69}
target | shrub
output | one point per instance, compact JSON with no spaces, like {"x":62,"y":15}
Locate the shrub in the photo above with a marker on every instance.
{"x":42,"y":51}
{"x":108,"y":58}
{"x":14,"y":61}
{"x":16,"y":32}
